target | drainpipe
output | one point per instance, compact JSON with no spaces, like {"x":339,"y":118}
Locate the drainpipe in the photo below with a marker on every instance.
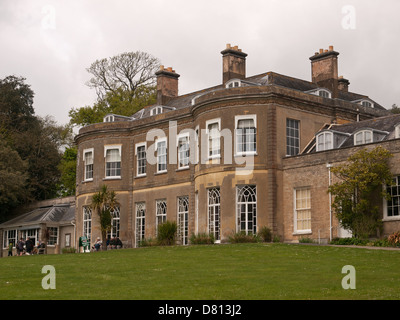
{"x":329,"y":166}
{"x":77,"y":250}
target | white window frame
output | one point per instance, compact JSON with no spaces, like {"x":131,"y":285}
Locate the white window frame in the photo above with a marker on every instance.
{"x":7,"y":237}
{"x":140,"y":229}
{"x":85,"y":151}
{"x":397,"y":131}
{"x":109,"y":118}
{"x":233,"y":83}
{"x":297,"y":210}
{"x":386,"y":216}
{"x":212,"y":138}
{"x":295,"y":139}
{"x":115,"y":222}
{"x":87,"y":222}
{"x":112,"y":147}
{"x":214,"y":212}
{"x":363,"y":139}
{"x":197,"y":137}
{"x":237,"y":119}
{"x":323,"y":135}
{"x":183,"y":164}
{"x":182,"y":219}
{"x":53,"y":239}
{"x":252,"y":204}
{"x":160,"y":140}
{"x":30,"y":233}
{"x":161,"y":212}
{"x":318,"y":92}
{"x":156,"y":110}
{"x":324,"y":93}
{"x":370,"y":103}
{"x":137,"y":146}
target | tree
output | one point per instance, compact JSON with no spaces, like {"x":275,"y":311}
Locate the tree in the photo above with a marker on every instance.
{"x":124,"y":84}
{"x":16,"y":103}
{"x":395,"y":109}
{"x":127,"y":72}
{"x":104,"y":202}
{"x":118,"y":102}
{"x":13,"y":180}
{"x":67,"y":168}
{"x":360,"y":190}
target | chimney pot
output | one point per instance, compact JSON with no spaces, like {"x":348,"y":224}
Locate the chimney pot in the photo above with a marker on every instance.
{"x":330,"y":48}
{"x":167,"y":84}
{"x":233,"y":63}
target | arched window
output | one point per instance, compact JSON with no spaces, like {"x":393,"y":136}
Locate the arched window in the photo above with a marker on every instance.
{"x":324,"y":141}
{"x":109,"y":118}
{"x":87,"y":223}
{"x":366,"y":103}
{"x":363,"y":137}
{"x":183,"y":219}
{"x":397,"y":131}
{"x":214,"y":219}
{"x":234,"y":83}
{"x":324,"y":93}
{"x":115,"y":223}
{"x":156,"y":110}
{"x":246,"y":198}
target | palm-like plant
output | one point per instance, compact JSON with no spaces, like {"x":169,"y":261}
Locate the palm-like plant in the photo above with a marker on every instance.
{"x":104,"y":202}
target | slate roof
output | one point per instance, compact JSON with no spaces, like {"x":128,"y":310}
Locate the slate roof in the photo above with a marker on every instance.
{"x":60,"y":213}
{"x":385,"y":126}
{"x":264,"y":79}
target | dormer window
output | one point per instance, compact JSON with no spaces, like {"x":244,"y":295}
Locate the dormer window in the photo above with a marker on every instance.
{"x":324,"y":93}
{"x":156,"y":110}
{"x":234,"y":83}
{"x":325,"y":141}
{"x":109,"y":118}
{"x":397,"y":132}
{"x":366,"y":103}
{"x":363,"y":137}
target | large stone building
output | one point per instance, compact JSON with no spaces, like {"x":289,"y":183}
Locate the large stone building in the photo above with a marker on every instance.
{"x":225,"y":159}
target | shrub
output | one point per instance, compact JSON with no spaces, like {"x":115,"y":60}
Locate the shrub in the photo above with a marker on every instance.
{"x":265,"y":234}
{"x":149,"y":242}
{"x":242,"y":237}
{"x":68,"y":250}
{"x":202,"y":238}
{"x":394,"y":239}
{"x":166,"y":233}
{"x":306,"y":240}
{"x":349,"y":241}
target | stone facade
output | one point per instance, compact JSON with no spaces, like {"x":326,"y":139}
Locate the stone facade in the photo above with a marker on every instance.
{"x":256,"y":119}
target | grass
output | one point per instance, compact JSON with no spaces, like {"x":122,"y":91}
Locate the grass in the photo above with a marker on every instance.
{"x":256,"y":271}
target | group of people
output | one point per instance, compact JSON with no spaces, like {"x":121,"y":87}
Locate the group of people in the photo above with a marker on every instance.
{"x":25,"y":247}
{"x":112,"y":243}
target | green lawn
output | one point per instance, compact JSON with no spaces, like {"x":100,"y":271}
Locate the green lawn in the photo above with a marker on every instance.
{"x":221,"y":272}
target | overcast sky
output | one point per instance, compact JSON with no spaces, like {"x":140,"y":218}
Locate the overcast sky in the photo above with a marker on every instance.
{"x":51,"y":43}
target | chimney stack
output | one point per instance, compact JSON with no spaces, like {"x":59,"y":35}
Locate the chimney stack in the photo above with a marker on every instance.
{"x":324,"y":69}
{"x":343,"y":84}
{"x":233,"y":63}
{"x":167,"y":84}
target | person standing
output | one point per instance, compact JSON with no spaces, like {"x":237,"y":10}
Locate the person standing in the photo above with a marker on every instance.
{"x":20,"y":247}
{"x":10,"y":246}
